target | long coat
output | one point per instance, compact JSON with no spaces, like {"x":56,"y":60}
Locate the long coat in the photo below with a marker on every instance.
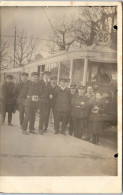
{"x":8,"y":97}
{"x":44,"y":102}
{"x":96,"y":119}
{"x":62,"y":99}
{"x":30,"y":90}
{"x":79,"y":106}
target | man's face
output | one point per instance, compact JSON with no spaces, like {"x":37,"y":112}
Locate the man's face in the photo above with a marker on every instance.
{"x":73,"y":90}
{"x":81,"y":92}
{"x":9,"y":80}
{"x":62,"y":84}
{"x":89,"y":90}
{"x":98,"y":96}
{"x":53,"y":82}
{"x":24,"y":78}
{"x":34,"y":79}
{"x":46,"y":78}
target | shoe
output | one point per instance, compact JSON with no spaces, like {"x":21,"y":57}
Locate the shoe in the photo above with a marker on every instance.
{"x":33,"y":132}
{"x":26,"y":133}
{"x":23,"y":132}
{"x":10,"y":124}
{"x":45,"y":131}
{"x":56,"y":132}
{"x":40,"y":132}
{"x":62,"y":132}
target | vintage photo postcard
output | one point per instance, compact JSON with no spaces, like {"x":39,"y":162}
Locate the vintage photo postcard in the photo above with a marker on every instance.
{"x":60,"y":97}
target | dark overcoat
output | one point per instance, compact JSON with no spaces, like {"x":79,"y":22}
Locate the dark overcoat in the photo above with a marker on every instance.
{"x":62,"y":100}
{"x":96,"y":119}
{"x":44,"y":102}
{"x":8,"y":97}
{"x":79,"y":106}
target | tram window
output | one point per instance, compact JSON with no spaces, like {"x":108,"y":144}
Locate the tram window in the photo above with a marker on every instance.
{"x":78,"y":68}
{"x":65,"y":69}
{"x":102,"y":73}
{"x":54,"y":69}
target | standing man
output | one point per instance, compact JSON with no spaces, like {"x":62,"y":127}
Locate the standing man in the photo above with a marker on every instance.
{"x":21,"y":85}
{"x":62,"y":99}
{"x":30,"y":94}
{"x":8,"y":99}
{"x":79,"y":112}
{"x":73,"y":92}
{"x":44,"y":103}
{"x":52,"y":101}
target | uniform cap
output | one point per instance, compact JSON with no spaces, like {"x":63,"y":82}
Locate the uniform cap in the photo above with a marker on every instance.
{"x":9,"y":76}
{"x":25,"y":74}
{"x":73,"y":87}
{"x":46,"y":73}
{"x":53,"y":78}
{"x":81,"y":87}
{"x":34,"y":74}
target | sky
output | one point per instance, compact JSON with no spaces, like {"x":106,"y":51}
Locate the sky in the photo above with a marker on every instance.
{"x":32,"y":20}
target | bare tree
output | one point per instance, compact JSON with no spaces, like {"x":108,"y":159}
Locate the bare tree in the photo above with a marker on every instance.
{"x":63,"y":34}
{"x":25,"y":49}
{"x":4,"y":53}
{"x":93,"y":19}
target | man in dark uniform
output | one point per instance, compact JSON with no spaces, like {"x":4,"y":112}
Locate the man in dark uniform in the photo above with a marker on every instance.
{"x":62,"y":99}
{"x":73,"y":92}
{"x":79,"y":111}
{"x":21,"y":85}
{"x":8,"y":99}
{"x":54,"y":87}
{"x":44,"y":103}
{"x":30,"y":94}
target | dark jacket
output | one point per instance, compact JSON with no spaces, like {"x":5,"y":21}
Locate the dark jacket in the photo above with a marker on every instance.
{"x":62,"y":100}
{"x":44,"y":102}
{"x":8,"y":93}
{"x":52,"y":101}
{"x":31,"y":89}
{"x":20,"y":87}
{"x":79,"y":106}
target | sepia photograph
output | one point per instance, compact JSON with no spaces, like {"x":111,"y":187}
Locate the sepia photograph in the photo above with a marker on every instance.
{"x":59,"y":91}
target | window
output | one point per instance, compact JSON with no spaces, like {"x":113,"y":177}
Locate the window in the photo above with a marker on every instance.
{"x":65,"y":69}
{"x":54,"y":69}
{"x":78,"y":69}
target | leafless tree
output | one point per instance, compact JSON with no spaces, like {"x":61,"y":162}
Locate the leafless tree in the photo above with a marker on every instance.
{"x":93,"y":19}
{"x":25,"y":49}
{"x":63,"y":33}
{"x":4,"y":53}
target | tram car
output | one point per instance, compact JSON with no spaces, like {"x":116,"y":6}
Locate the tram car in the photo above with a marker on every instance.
{"x":83,"y":66}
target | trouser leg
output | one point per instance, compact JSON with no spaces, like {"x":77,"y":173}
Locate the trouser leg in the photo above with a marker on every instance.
{"x":64,"y":120}
{"x":57,"y":117}
{"x":26,"y":119}
{"x":9,"y":117}
{"x":3,"y":113}
{"x":75,"y":126}
{"x":81,"y":123}
{"x":71,"y":126}
{"x":32,"y":118}
{"x":21,"y":114}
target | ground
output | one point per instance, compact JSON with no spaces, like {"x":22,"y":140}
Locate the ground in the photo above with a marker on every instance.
{"x":54,"y":155}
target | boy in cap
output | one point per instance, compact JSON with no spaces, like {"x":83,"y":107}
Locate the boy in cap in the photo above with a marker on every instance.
{"x":21,"y":85}
{"x":62,"y":98}
{"x":79,"y":111}
{"x":8,"y":99}
{"x":31,"y":95}
{"x":73,"y":92}
{"x":44,"y":103}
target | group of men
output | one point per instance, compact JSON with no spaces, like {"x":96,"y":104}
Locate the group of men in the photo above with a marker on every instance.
{"x":70,"y":105}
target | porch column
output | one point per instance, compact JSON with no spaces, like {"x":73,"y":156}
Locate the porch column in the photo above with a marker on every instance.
{"x":85,"y":71}
{"x":71,"y":70}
